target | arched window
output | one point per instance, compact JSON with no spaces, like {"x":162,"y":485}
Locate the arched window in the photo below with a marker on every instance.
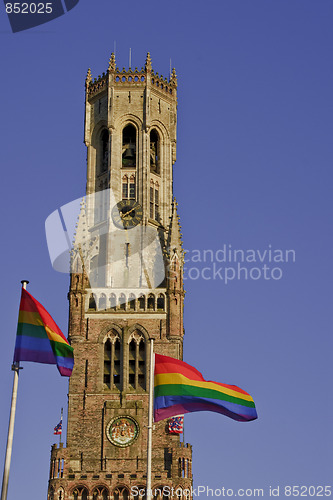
{"x":154,"y":152}
{"x":158,"y":494}
{"x":80,"y":493}
{"x":137,"y":361}
{"x":100,"y":493}
{"x":160,"y":301}
{"x":51,"y":494}
{"x":131,"y":301}
{"x":122,"y":301}
{"x":104,"y":151}
{"x":132,"y":188}
{"x":141,"y":493}
{"x":121,"y":494}
{"x":112,"y":361}
{"x":151,"y":302}
{"x":128,"y":187}
{"x":154,"y":200}
{"x":92,"y":301}
{"x":141,"y":302}
{"x":125,"y":187}
{"x":102,"y":302}
{"x":183,"y":467}
{"x":113,"y":301}
{"x":129,"y":147}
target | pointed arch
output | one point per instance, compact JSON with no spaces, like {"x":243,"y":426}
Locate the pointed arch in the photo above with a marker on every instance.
{"x":103,"y":151}
{"x":154,"y":151}
{"x":137,"y":357}
{"x":101,"y":493}
{"x":79,"y":493}
{"x":111,"y":341}
{"x":121,"y":493}
{"x":129,"y":150}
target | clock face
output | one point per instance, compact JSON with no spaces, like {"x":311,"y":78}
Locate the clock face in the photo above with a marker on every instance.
{"x":127,"y":214}
{"x":122,"y":431}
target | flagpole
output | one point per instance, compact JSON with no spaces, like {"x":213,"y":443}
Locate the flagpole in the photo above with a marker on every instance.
{"x":62,"y":410}
{"x":16,"y":368}
{"x":150,"y":420}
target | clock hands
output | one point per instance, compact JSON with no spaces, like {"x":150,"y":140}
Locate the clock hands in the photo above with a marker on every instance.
{"x":124,"y":215}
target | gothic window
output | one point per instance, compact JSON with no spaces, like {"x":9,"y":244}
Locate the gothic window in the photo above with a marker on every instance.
{"x":132,"y":188}
{"x":113,"y":301}
{"x":131,"y":301}
{"x":112,"y":357}
{"x":137,"y":361}
{"x":125,"y":188}
{"x":154,"y":200}
{"x":129,"y":147}
{"x":102,"y":302}
{"x":92,"y":301}
{"x":151,"y":302}
{"x":142,"y":493}
{"x":51,"y":494}
{"x":80,"y":493}
{"x":122,"y":301}
{"x":151,"y":201}
{"x":183,"y":467}
{"x":121,"y":494}
{"x":158,"y":494}
{"x":104,"y":151}
{"x":160,"y":301}
{"x":101,"y":493}
{"x":141,"y":302}
{"x":154,"y":152}
{"x":128,"y":188}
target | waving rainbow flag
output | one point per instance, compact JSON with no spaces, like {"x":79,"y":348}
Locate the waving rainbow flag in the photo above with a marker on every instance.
{"x":39,"y":339}
{"x":180,"y":388}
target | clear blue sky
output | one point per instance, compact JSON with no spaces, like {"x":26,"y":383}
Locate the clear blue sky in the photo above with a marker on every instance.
{"x":254,"y":168}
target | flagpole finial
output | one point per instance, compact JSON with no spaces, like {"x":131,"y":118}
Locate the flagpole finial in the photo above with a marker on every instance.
{"x":24,"y":284}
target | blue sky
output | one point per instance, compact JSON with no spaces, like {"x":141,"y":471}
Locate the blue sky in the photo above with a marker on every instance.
{"x":254,"y":168}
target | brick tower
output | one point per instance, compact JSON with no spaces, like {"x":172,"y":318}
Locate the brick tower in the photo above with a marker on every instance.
{"x":126,"y":288}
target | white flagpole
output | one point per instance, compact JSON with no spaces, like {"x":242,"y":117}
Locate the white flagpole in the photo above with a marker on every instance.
{"x":149,"y":495}
{"x":16,"y":368}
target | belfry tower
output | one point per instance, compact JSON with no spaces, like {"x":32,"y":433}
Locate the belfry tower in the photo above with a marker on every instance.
{"x":126,"y":288}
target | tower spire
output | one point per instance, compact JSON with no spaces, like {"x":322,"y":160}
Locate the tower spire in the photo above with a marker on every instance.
{"x":173,"y":78}
{"x":148,"y":66}
{"x":112,"y":62}
{"x":88,"y":77}
{"x":174,"y":241}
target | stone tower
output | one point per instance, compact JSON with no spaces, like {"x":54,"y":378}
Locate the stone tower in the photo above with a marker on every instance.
{"x":126,"y":288}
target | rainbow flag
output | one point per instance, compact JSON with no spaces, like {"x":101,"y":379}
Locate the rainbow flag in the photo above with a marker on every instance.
{"x":180,"y":388}
{"x":39,"y":339}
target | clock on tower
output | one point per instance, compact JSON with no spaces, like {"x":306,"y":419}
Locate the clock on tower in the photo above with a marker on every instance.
{"x":126,"y":288}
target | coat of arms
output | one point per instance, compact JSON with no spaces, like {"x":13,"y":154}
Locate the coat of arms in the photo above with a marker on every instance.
{"x":122,"y":431}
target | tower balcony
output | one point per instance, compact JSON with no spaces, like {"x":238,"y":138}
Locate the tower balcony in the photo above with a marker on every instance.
{"x":128,"y":300}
